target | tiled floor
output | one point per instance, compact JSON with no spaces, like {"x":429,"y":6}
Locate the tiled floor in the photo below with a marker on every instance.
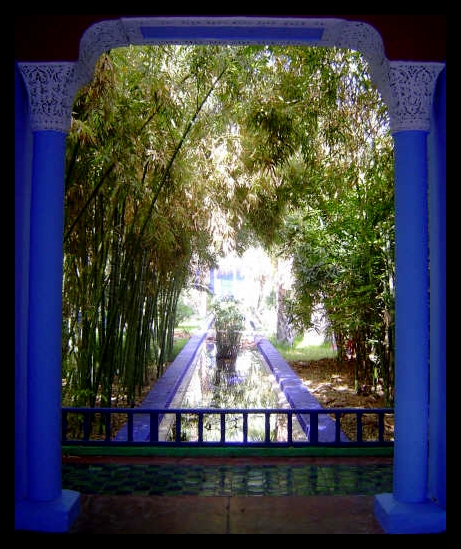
{"x":235,"y":495}
{"x":259,"y":495}
{"x":239,"y":495}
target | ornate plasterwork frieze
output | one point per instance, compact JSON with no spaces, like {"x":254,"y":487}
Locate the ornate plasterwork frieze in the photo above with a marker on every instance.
{"x":412,"y":88}
{"x":365,"y":39}
{"x":96,"y":40}
{"x":51,"y":88}
{"x":407,"y":88}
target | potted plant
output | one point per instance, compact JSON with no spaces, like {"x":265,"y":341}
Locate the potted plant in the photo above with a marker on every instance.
{"x":229,"y":323}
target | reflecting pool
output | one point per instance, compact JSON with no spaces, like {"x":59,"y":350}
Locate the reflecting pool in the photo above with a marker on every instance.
{"x":243,"y":382}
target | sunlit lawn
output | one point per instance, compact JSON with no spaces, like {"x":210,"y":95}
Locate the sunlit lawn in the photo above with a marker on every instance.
{"x":301,"y":350}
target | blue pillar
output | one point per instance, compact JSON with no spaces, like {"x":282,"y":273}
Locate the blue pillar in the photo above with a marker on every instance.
{"x":46,"y":507}
{"x":42,"y":505}
{"x":411,"y":317}
{"x":45,"y":315}
{"x":409,"y":510}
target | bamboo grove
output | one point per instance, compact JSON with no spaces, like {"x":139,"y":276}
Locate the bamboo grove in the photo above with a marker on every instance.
{"x":180,"y":154}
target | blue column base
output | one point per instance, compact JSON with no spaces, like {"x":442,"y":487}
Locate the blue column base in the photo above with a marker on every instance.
{"x":48,"y":516}
{"x":396,"y":517}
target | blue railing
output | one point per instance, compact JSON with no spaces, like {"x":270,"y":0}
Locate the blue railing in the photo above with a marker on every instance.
{"x":93,"y":427}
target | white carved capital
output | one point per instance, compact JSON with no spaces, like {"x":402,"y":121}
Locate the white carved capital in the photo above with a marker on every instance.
{"x":412,"y":87}
{"x":51,"y":88}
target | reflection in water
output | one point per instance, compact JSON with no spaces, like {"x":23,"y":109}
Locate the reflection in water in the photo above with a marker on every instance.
{"x":243,"y":382}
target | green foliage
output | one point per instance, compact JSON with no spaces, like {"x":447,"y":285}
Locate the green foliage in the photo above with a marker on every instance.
{"x":178,"y":154}
{"x":183,"y":312}
{"x":301,"y":352}
{"x":229,"y":322}
{"x":178,"y":346}
{"x":227,"y":314}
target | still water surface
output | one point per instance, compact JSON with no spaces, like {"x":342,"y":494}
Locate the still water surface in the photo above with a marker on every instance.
{"x":245,"y":382}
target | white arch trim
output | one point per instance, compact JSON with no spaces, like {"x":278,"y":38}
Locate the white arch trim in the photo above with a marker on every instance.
{"x":406,"y":87}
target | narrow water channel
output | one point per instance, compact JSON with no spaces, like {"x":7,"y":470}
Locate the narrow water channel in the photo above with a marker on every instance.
{"x":243,"y":382}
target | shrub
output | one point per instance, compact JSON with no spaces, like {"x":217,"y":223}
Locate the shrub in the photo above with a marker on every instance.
{"x":229,"y":323}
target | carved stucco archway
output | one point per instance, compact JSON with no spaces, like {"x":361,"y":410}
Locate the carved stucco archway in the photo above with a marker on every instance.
{"x":406,"y":87}
{"x":408,"y":90}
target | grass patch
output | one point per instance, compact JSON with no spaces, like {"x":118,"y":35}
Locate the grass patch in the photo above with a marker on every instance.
{"x":178,"y":345}
{"x":300,"y":351}
{"x":182,"y":335}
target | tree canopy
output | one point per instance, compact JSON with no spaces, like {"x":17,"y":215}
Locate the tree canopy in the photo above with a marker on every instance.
{"x":180,"y":154}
